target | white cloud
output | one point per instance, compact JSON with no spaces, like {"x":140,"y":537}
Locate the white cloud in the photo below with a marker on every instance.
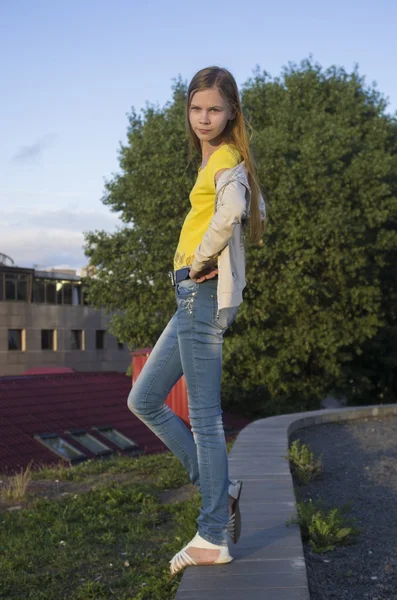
{"x":43,"y":248}
{"x":50,"y":238}
{"x":64,"y":218}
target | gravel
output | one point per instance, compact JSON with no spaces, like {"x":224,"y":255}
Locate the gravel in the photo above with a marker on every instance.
{"x":359,"y":466}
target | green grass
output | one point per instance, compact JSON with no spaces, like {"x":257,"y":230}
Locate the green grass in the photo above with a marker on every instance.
{"x":111,"y":542}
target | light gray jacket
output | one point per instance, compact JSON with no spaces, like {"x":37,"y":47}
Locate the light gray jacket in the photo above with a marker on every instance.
{"x":225,"y":236}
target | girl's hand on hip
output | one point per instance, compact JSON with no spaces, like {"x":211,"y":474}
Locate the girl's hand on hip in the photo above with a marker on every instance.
{"x":209,"y":275}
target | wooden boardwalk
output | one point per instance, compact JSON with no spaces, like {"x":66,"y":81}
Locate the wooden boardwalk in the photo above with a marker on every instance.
{"x":268,"y":559}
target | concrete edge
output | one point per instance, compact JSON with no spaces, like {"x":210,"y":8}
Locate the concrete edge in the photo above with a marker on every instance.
{"x":275,"y":430}
{"x":330,"y":415}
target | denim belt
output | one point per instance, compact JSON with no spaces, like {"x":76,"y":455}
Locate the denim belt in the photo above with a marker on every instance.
{"x":181,"y":274}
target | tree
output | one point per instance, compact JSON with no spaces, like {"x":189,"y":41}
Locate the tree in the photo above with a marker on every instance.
{"x":321,"y":290}
{"x":327,"y":153}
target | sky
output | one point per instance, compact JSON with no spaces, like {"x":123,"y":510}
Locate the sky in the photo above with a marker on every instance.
{"x":71,"y":72}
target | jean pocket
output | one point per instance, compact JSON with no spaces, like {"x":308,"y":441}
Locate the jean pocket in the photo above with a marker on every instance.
{"x":186,"y":287}
{"x":224,"y":317}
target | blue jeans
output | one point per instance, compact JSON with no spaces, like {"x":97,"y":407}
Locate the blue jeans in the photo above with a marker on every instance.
{"x":191,"y":344}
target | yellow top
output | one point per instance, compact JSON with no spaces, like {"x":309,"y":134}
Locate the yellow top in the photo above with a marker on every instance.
{"x":202,"y":200}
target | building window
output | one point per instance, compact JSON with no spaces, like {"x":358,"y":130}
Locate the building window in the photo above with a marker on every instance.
{"x":59,"y":292}
{"x":116,"y":437}
{"x":48,"y":339}
{"x":38,"y":290}
{"x":76,"y":295}
{"x":60,"y":446}
{"x":55,"y":292}
{"x":51,"y":293}
{"x":16,"y":339}
{"x":100,"y":339}
{"x":90,"y":442}
{"x":120,"y":345}
{"x":16,"y":287}
{"x":67,"y":293}
{"x":77,"y":339}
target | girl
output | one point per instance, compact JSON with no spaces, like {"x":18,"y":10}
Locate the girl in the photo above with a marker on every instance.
{"x":209,"y":277}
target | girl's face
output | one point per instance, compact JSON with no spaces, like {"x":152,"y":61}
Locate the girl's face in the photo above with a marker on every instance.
{"x":209,"y":114}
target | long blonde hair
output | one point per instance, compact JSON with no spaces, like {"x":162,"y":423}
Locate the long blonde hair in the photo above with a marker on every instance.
{"x":235,"y":133}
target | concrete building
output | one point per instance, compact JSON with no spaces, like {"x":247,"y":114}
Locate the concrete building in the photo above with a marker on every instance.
{"x":45,"y":321}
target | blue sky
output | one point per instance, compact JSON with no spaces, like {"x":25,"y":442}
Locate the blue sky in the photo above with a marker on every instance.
{"x":71,"y":72}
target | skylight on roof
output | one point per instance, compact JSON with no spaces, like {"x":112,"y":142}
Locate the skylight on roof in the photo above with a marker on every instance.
{"x":119,"y":439}
{"x":60,"y":447}
{"x":90,"y":442}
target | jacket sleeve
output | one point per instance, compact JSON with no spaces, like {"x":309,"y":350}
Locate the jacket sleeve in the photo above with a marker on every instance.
{"x":262,"y":208}
{"x":231,"y":207}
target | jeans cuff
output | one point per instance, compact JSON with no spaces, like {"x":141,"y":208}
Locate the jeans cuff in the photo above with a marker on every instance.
{"x":213,"y":540}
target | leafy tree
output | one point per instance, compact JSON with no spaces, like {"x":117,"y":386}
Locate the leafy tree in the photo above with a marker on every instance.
{"x":321,"y":294}
{"x":327,"y":153}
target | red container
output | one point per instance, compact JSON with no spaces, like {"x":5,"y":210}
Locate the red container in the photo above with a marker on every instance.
{"x":177,"y":398}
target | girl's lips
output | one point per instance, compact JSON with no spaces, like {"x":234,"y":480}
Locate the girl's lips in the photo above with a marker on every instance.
{"x":204,"y":130}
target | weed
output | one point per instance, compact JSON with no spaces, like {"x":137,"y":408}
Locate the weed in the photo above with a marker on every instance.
{"x":14,"y":488}
{"x":304,"y":465}
{"x":323,"y":530}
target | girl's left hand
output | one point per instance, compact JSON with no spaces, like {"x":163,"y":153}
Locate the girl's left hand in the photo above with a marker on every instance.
{"x":209,"y":275}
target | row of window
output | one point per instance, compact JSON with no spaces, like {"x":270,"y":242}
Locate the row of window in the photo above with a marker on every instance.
{"x":17,"y":339}
{"x":66,"y":450}
{"x":15,"y":286}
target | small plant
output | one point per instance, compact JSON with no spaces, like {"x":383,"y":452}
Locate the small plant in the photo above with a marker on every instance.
{"x":306,"y":511}
{"x":15,"y":486}
{"x":323,"y":530}
{"x":304,"y":465}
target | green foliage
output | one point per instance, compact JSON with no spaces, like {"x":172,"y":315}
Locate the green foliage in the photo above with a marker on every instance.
{"x":324,"y":530}
{"x":157,"y":466}
{"x":112,"y":542}
{"x":319,"y":306}
{"x":304,"y":465}
{"x":77,"y":547}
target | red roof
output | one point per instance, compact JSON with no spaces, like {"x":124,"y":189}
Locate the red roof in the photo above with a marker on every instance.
{"x":47,"y":370}
{"x":37,"y":404}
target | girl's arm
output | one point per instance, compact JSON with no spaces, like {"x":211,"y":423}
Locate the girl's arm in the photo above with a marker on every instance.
{"x":231,"y":207}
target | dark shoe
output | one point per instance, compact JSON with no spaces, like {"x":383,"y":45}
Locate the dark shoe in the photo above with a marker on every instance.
{"x":234,"y":523}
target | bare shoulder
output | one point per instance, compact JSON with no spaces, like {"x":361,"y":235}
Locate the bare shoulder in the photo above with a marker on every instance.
{"x":219,"y":173}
